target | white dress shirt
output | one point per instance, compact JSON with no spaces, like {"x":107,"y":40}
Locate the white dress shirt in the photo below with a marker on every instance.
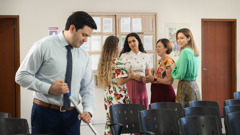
{"x":46,"y":62}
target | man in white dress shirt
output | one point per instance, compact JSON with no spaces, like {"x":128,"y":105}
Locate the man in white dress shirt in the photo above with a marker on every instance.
{"x":44,"y":72}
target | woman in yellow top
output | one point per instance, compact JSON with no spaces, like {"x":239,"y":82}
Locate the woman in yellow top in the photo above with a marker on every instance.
{"x":161,"y":87}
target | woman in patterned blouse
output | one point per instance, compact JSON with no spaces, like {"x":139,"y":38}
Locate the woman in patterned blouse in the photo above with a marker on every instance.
{"x":112,"y":76}
{"x":161,"y":87}
{"x":133,"y":54}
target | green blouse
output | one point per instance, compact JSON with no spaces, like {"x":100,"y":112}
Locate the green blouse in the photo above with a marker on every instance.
{"x":187,"y":66}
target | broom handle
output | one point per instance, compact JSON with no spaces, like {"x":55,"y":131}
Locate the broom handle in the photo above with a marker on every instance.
{"x":78,"y":109}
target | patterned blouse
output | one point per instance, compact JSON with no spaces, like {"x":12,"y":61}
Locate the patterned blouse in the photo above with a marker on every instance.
{"x":115,"y":93}
{"x":162,"y":66}
{"x":140,"y":62}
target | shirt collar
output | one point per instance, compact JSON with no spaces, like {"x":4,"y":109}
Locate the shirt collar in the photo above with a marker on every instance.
{"x":62,"y":39}
{"x":131,"y":52}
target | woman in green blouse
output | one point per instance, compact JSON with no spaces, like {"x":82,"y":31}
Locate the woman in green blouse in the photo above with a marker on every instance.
{"x":186,"y":70}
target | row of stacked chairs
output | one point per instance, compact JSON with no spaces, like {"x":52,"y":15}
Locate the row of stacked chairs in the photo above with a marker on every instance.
{"x":169,"y":118}
{"x":13,"y":126}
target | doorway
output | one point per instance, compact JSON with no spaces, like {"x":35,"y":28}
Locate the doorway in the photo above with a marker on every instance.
{"x":9,"y":58}
{"x":218,"y":60}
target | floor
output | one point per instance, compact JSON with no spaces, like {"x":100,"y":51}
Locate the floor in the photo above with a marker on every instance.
{"x":86,"y":130}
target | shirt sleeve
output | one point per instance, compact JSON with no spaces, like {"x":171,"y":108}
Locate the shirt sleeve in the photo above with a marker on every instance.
{"x":169,"y":63}
{"x":87,"y":90}
{"x":26,"y":74}
{"x":120,"y":69}
{"x":180,"y":70}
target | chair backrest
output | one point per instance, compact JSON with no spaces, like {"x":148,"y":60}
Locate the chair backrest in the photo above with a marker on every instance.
{"x":232,"y":102}
{"x":159,"y":121}
{"x":126,"y":114}
{"x":31,"y":134}
{"x":200,"y":125}
{"x":10,"y":126}
{"x":234,"y":123}
{"x":5,"y":115}
{"x":236,"y":95}
{"x":230,"y":109}
{"x":204,"y":103}
{"x":226,"y":111}
{"x":203,"y":111}
{"x":169,"y":105}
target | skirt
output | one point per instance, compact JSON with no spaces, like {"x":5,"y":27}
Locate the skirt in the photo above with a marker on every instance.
{"x":187,"y":91}
{"x":137,"y":92}
{"x":162,"y":93}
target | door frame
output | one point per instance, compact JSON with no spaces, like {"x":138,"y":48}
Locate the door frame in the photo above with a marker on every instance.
{"x":234,"y":50}
{"x":16,"y":60}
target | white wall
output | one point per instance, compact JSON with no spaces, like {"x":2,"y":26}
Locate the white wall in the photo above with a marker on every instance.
{"x":37,"y":15}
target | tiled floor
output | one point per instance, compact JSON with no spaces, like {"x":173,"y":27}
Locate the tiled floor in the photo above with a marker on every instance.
{"x":85,"y":129}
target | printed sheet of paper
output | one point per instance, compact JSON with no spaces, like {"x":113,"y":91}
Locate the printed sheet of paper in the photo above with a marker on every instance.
{"x":107,"y":25}
{"x":136,"y":25}
{"x":85,"y":45}
{"x":125,"y":24}
{"x":98,"y":23}
{"x":151,"y":60}
{"x":148,"y":42}
{"x":52,"y":31}
{"x":94,"y":61}
{"x":122,"y":40}
{"x":104,"y":38}
{"x":96,"y":43}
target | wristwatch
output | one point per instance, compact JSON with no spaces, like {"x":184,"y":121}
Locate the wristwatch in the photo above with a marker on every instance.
{"x":155,"y":79}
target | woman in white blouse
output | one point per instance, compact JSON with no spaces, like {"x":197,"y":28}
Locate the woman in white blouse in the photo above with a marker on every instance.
{"x":133,"y":54}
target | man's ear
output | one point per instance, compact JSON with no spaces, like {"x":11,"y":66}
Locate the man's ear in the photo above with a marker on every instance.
{"x":72,"y":28}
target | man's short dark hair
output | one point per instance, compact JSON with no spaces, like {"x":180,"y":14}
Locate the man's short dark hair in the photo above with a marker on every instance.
{"x":79,"y":19}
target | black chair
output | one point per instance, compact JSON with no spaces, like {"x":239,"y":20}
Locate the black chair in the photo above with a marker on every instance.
{"x":232,"y":102}
{"x":159,"y":121}
{"x":203,"y":111}
{"x":234,"y":123}
{"x":204,"y":103}
{"x":9,"y":126}
{"x":31,"y":134}
{"x":226,"y":111}
{"x":169,"y":105}
{"x":124,"y":118}
{"x":236,"y":95}
{"x":200,"y":125}
{"x":5,"y":115}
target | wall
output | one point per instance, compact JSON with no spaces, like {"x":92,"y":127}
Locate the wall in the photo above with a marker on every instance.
{"x":37,"y":15}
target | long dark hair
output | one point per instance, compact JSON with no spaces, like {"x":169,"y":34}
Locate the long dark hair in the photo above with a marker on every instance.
{"x":126,"y":47}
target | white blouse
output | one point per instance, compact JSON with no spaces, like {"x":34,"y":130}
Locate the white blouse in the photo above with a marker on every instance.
{"x":139,"y":62}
